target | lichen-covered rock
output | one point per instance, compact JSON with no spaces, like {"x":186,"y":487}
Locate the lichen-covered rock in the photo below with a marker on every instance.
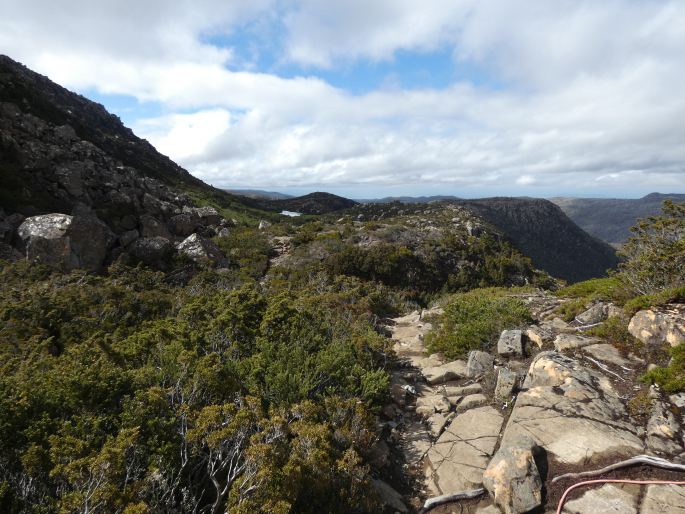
{"x":184,"y":224}
{"x":572,"y":341}
{"x":506,"y":382}
{"x":479,"y":363}
{"x":153,"y":251}
{"x":208,"y":215}
{"x":595,"y":314}
{"x":152,"y":227}
{"x":660,"y":325}
{"x":572,"y":411}
{"x":446,"y":372}
{"x":471,"y":401}
{"x":510,"y":343}
{"x":68,"y":242}
{"x":201,"y":250}
{"x":512,"y":478}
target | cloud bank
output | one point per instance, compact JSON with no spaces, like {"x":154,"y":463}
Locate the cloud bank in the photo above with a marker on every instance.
{"x":555,"y":97}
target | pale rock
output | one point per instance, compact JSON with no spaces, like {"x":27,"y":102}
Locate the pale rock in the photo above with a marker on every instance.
{"x":660,"y":325}
{"x":462,"y":452}
{"x":572,"y":341}
{"x":609,"y":499}
{"x":572,"y":411}
{"x":201,"y":250}
{"x":595,"y":314}
{"x":510,"y":343}
{"x":446,"y":372}
{"x":606,"y":353}
{"x":478,"y":363}
{"x":437,"y":423}
{"x":663,"y":431}
{"x":506,"y":383}
{"x":662,"y":499}
{"x":471,"y":401}
{"x":454,"y":389}
{"x":428,"y":405}
{"x":512,"y":478}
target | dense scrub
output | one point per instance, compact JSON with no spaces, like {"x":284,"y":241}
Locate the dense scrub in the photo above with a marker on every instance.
{"x":123,"y":393}
{"x":474,"y":321}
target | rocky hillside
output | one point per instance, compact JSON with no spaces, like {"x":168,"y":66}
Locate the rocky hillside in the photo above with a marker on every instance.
{"x":79,"y":188}
{"x":610,"y":219}
{"x":540,"y":229}
{"x":313,"y":203}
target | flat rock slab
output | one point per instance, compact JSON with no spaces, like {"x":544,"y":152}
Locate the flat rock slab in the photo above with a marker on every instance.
{"x":471,"y":401}
{"x":572,"y":411}
{"x":510,"y":343}
{"x":462,"y":452}
{"x":606,"y":353}
{"x":454,"y":389}
{"x":572,"y":341}
{"x":607,"y":499}
{"x":415,"y":441}
{"x":661,"y":499}
{"x":445,"y":373}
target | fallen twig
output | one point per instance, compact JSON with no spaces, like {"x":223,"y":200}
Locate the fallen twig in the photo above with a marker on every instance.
{"x":640,"y":459}
{"x":445,"y":498}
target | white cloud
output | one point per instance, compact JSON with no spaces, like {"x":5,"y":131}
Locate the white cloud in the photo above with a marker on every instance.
{"x":592,"y":100}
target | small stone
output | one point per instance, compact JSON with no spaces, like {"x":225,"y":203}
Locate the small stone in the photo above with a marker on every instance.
{"x":571,"y":342}
{"x":678,"y":400}
{"x":471,"y":401}
{"x":510,"y":343}
{"x":445,"y":372}
{"x":479,"y":363}
{"x":506,"y":382}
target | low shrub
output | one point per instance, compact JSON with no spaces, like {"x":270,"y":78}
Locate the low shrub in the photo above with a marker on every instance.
{"x":474,"y":320}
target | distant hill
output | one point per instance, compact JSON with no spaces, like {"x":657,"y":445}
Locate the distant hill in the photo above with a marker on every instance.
{"x":313,"y":203}
{"x":259,"y":194}
{"x":409,"y":199}
{"x":610,"y":219}
{"x":541,"y":230}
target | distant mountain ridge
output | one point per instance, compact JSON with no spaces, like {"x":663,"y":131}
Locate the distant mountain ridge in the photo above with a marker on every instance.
{"x":259,"y":194}
{"x":610,"y":219}
{"x":541,"y":230}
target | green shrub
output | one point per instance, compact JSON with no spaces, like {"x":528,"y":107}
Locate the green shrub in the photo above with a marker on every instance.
{"x":671,"y":377}
{"x":474,"y":321}
{"x":615,"y":331}
{"x":604,"y":289}
{"x":670,"y":295}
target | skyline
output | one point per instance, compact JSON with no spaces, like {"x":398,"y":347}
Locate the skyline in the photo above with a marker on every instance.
{"x":383,"y":98}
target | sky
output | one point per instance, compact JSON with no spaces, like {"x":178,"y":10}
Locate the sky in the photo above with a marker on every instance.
{"x":371,"y":98}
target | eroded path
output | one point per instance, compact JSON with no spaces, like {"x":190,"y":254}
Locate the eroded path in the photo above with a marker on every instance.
{"x":549,"y":384}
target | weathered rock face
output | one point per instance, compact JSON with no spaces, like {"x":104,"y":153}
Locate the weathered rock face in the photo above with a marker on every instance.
{"x":512,"y":478}
{"x":153,"y":251}
{"x":595,"y":314}
{"x":661,"y":325}
{"x":478,"y":363}
{"x":446,"y":372}
{"x":510,"y":343}
{"x":462,"y":452}
{"x":571,"y":411}
{"x":68,"y":242}
{"x":201,"y":250}
{"x":506,"y":382}
{"x":572,"y":341}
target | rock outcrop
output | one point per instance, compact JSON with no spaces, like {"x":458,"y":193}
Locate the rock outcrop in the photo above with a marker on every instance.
{"x":68,"y":242}
{"x":572,"y":411}
{"x":660,"y":325}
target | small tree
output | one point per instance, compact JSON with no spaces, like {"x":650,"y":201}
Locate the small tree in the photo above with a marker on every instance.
{"x":655,"y":254}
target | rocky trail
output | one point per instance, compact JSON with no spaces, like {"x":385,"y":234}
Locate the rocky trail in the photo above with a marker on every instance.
{"x":548,"y":400}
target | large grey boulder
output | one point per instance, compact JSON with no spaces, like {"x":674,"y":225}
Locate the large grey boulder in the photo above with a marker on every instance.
{"x":208,"y":215}
{"x":388,"y":496}
{"x":153,"y":251}
{"x":479,"y":363}
{"x":573,"y":412}
{"x":201,"y":250}
{"x":152,"y":227}
{"x":510,"y":343}
{"x":660,"y":325}
{"x":595,"y":314}
{"x":183,"y":224}
{"x":68,"y":242}
{"x":512,"y":478}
